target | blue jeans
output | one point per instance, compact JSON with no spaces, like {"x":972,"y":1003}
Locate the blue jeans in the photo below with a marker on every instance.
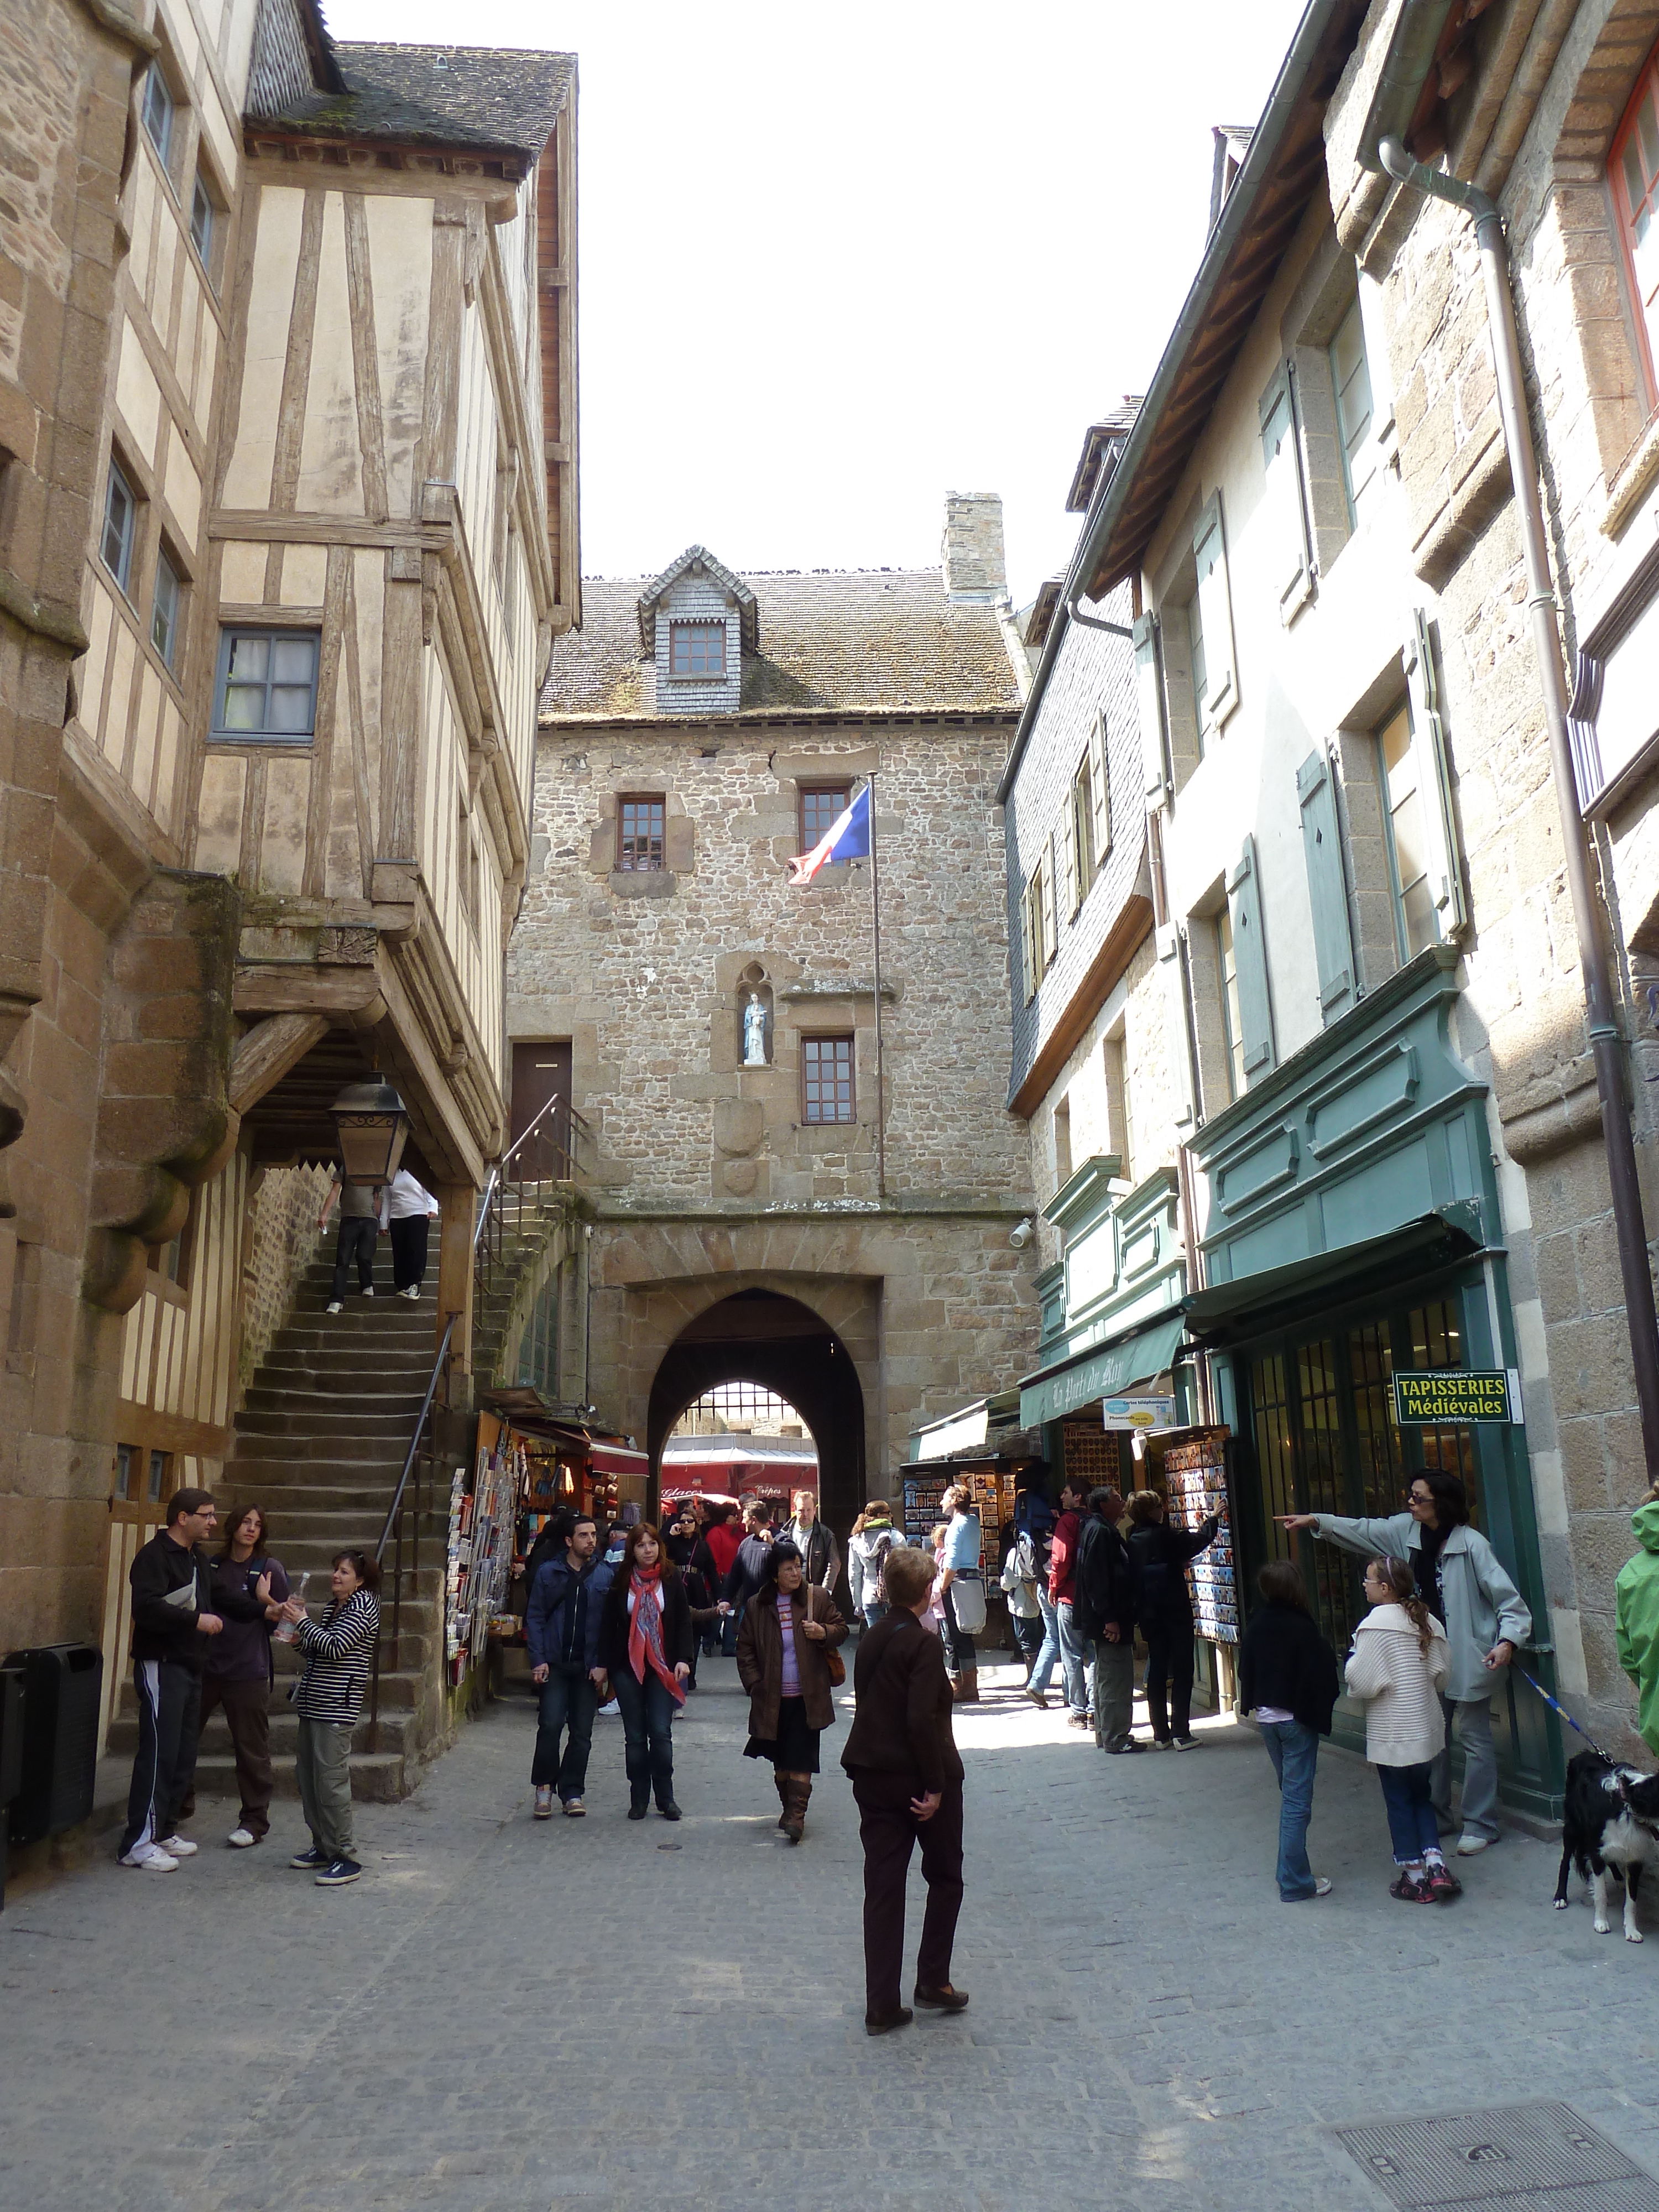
{"x":648,"y":1716}
{"x":1077,"y":1654}
{"x":568,"y":1700}
{"x":1293,"y":1748}
{"x":877,"y":1609}
{"x":729,"y":1627}
{"x":1412,"y":1829}
{"x":1042,"y":1666}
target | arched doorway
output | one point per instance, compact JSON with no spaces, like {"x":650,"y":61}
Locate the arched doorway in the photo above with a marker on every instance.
{"x":759,"y":1336}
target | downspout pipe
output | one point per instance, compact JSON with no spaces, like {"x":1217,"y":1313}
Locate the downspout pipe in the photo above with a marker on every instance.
{"x":1074,"y":613}
{"x":1605,"y":1042}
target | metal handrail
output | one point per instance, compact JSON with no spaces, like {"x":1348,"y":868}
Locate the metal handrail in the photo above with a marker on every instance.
{"x":415,"y":1441}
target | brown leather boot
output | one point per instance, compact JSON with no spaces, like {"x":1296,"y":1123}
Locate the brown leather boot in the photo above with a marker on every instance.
{"x":967,"y":1689}
{"x":793,"y":1823}
{"x":783,"y":1798}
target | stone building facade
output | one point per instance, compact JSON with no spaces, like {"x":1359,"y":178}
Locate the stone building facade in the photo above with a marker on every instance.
{"x":286,"y":532}
{"x":744,"y":1226}
{"x":1395,"y":1147}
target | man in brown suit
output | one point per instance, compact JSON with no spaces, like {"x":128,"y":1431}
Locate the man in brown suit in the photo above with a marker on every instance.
{"x":907,"y":1779}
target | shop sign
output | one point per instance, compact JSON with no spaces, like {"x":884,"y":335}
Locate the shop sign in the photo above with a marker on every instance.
{"x":1438,"y":1397}
{"x":1146,"y":1414}
{"x":960,"y":1433}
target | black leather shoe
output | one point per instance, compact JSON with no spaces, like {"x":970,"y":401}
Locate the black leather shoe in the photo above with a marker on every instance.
{"x":883,"y":2023}
{"x":944,"y":2000}
{"x":671,"y":1811}
{"x":637,"y":1812}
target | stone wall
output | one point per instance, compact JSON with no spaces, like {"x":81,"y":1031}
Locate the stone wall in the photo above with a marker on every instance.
{"x":281,"y":1241}
{"x":649,"y":988}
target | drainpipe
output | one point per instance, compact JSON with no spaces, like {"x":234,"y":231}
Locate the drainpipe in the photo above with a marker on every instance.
{"x":1605,"y":1040}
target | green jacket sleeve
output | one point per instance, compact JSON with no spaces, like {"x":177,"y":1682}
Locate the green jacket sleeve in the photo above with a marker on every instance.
{"x":1623,"y":1593}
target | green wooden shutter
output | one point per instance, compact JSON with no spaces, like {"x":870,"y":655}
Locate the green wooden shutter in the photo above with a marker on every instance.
{"x":1434,"y":779}
{"x":1215,"y":614}
{"x":1281,"y":459}
{"x":1328,"y":887}
{"x":1149,"y":694}
{"x":1019,"y":958}
{"x":1050,"y":926}
{"x":1256,"y":1017}
{"x":1172,"y":964}
{"x":1071,"y":858}
{"x":1100,"y":791}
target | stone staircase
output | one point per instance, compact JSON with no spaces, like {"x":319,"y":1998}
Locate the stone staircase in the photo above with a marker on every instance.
{"x":534,"y":1215}
{"x":319,"y":1445}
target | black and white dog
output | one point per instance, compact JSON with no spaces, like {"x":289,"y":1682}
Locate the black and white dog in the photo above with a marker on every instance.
{"x":1612,"y":1824}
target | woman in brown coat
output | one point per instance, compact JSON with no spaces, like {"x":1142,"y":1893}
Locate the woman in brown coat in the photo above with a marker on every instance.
{"x":786,"y":1632}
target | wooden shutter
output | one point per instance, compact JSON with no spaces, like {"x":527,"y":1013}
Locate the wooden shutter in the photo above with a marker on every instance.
{"x":1149,"y":697}
{"x":1100,"y":791}
{"x":1327,"y":885}
{"x":1288,"y":550}
{"x":1172,"y":965}
{"x":1215,"y":614}
{"x":1434,"y":779}
{"x":1050,"y":927}
{"x":1019,"y":957}
{"x":1256,"y":1018}
{"x":1070,"y":856}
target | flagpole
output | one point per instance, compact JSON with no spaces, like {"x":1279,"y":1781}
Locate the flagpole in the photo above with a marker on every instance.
{"x":875,"y":934}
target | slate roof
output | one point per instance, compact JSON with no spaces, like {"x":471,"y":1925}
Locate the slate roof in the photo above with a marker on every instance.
{"x":849,"y":642}
{"x":490,"y":98}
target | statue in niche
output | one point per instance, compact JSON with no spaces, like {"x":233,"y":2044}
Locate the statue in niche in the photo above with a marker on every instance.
{"x":754,"y":1033}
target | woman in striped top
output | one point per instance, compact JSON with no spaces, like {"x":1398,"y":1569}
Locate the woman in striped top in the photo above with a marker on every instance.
{"x":339,"y":1651}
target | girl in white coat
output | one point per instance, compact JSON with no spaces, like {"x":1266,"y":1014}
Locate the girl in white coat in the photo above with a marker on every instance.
{"x":1397,"y":1668}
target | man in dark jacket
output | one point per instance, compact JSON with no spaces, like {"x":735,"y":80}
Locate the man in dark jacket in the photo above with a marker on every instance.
{"x":748,"y":1570}
{"x":1076,"y":1652}
{"x":171,"y":1579}
{"x":906,"y":1780}
{"x":562,"y":1627}
{"x":1104,"y":1606}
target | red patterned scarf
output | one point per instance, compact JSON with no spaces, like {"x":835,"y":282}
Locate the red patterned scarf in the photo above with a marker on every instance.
{"x":645,"y":1631}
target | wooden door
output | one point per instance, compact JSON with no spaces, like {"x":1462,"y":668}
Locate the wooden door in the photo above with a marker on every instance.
{"x":541,"y":1074}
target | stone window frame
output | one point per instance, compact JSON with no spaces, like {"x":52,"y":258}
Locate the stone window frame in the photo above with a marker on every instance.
{"x":228,"y":634}
{"x":627,"y":862}
{"x":708,"y":625}
{"x":844,"y":1053}
{"x":805,"y":792}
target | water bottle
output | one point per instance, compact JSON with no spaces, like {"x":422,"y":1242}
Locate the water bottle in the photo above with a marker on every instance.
{"x":286,"y":1631}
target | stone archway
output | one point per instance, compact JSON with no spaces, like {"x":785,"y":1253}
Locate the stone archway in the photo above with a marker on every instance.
{"x":761,"y":1335}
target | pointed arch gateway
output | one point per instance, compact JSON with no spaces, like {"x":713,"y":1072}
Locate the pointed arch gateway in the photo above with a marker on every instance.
{"x":765,"y":1336}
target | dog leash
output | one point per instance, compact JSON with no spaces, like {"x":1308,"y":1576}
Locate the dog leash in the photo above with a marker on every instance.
{"x":1556,"y":1706}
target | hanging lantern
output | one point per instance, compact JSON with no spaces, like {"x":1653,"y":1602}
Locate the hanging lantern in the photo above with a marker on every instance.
{"x":372,"y":1122}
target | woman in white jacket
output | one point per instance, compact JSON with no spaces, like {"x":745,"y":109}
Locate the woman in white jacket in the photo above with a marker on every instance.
{"x":1397,"y":1668}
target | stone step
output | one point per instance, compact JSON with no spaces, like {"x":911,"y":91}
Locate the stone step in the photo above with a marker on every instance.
{"x":318,"y":1490}
{"x":341,"y":1416}
{"x":317,"y":1524}
{"x":384,"y":1389}
{"x":251,"y":1447}
{"x":396,"y":1731}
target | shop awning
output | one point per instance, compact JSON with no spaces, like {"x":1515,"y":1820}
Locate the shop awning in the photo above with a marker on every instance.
{"x":1434,"y":1240}
{"x":1104,"y":1370}
{"x":617,"y":1459}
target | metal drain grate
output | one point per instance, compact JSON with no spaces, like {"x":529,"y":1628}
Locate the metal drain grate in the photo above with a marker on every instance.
{"x":1518,"y":2158}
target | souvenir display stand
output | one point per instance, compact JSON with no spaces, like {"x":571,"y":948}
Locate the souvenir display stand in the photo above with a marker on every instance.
{"x":1193,"y":1469}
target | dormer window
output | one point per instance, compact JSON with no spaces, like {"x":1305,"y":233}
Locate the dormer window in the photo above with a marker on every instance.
{"x":697,"y":648}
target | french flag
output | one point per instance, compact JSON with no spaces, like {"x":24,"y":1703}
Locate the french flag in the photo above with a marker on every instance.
{"x":848,"y":838}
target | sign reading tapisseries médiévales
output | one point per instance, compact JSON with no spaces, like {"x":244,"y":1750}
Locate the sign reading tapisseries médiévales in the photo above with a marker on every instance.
{"x":1438,"y":1395}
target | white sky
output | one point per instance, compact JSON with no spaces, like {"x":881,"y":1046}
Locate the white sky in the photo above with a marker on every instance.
{"x":835,"y":262}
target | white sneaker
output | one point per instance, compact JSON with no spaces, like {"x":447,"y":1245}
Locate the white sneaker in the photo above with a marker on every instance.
{"x":369,"y":1292}
{"x":151,"y":1858}
{"x":1468,"y":1844}
{"x":610,"y":1712}
{"x":180,"y":1846}
{"x":334,"y":1308}
{"x":240,"y":1838}
{"x":412,"y":1294}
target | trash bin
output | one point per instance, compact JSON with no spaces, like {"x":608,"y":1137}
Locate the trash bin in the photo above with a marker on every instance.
{"x":62,"y":1686}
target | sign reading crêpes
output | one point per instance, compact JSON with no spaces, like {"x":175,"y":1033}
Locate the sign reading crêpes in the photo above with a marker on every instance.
{"x":1436,"y":1396}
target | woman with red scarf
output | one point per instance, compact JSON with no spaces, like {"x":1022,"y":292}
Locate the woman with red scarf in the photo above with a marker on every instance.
{"x":646,"y":1644}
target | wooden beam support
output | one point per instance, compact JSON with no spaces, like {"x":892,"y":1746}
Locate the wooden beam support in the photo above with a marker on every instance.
{"x":265,"y":1054}
{"x":457,"y":1202}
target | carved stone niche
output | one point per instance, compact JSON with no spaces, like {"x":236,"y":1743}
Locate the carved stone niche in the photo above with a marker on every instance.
{"x":754,"y":992}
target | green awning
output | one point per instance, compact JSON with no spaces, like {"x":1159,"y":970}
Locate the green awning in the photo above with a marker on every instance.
{"x":1249,"y":1303}
{"x":1103,"y":1371}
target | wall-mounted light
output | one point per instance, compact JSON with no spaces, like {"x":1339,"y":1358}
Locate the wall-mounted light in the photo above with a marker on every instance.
{"x":372,"y":1123}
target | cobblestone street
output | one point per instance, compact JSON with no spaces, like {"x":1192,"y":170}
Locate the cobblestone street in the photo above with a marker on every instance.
{"x":514,"y":2017}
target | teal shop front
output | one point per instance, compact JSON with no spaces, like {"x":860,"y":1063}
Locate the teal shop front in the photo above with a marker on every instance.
{"x":1351,"y":1229}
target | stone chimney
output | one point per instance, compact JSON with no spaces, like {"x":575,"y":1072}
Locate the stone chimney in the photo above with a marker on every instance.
{"x":975,"y":573}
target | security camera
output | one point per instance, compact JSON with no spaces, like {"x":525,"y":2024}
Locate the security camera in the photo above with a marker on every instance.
{"x":1021,"y":1236}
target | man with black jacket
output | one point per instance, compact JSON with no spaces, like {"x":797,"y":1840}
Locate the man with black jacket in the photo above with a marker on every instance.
{"x":1103,"y":1607}
{"x":172,"y":1580}
{"x":748,"y":1570}
{"x":562,"y":1627}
